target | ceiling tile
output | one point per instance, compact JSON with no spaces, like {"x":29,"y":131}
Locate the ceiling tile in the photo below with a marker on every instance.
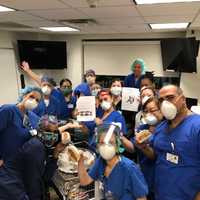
{"x":120,"y":21}
{"x":57,"y":14}
{"x":111,"y":12}
{"x":84,"y":4}
{"x":168,"y":19}
{"x":15,"y":16}
{"x":33,"y":4}
{"x":38,"y":23}
{"x":169,"y":9}
{"x":132,"y":28}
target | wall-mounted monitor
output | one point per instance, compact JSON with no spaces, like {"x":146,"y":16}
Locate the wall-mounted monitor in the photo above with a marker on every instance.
{"x":43,"y":54}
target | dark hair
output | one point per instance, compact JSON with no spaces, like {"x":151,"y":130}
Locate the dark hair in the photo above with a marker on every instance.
{"x":149,"y":75}
{"x":117,"y":80}
{"x":149,"y":101}
{"x":65,"y":80}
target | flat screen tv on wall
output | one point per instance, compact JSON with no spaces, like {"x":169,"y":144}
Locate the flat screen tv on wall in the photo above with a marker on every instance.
{"x":43,"y":54}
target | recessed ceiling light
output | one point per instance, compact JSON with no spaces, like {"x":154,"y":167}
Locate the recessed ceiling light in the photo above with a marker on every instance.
{"x":161,"y":1}
{"x":60,"y":29}
{"x":169,"y":26}
{"x":5,"y":9}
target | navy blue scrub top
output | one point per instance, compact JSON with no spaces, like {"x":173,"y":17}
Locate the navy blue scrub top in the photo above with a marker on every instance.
{"x":21,"y":177}
{"x":66,"y":107}
{"x":125,"y":182}
{"x":52,"y":109}
{"x":130,"y":81}
{"x":13,"y":133}
{"x":178,"y":180}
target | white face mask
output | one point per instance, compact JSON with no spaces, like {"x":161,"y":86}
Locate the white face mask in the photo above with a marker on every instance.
{"x":105,"y":105}
{"x":95,"y":92}
{"x":46,"y":90}
{"x":107,"y":151}
{"x":116,"y":90}
{"x":169,"y":110}
{"x":151,"y":119}
{"x":46,"y":101}
{"x":90,"y":80}
{"x":30,"y":104}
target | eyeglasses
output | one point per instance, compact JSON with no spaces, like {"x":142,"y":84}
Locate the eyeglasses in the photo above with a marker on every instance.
{"x":33,"y":97}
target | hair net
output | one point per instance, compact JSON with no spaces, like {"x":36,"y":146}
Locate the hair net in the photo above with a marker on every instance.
{"x":48,"y":80}
{"x":27,"y":90}
{"x":141,"y":63}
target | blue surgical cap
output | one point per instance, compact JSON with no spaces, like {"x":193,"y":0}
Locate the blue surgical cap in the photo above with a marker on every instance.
{"x":48,"y":80}
{"x":27,"y":90}
{"x":141,"y":63}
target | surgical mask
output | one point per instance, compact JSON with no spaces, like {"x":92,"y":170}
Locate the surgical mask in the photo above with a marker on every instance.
{"x":67,"y":91}
{"x":95,"y":92}
{"x":90,"y":80}
{"x":169,"y":110}
{"x":116,"y":90}
{"x":30,"y":104}
{"x":46,"y":90}
{"x":151,"y":119}
{"x":107,"y":151}
{"x":46,"y":102}
{"x":105,"y":105}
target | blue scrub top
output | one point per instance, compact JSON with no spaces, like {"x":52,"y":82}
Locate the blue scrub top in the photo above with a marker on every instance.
{"x":178,"y":181}
{"x":13,"y":133}
{"x":52,"y":109}
{"x":130,"y":81}
{"x":66,"y":108}
{"x":147,"y":165}
{"x":21,"y":177}
{"x":125,"y":182}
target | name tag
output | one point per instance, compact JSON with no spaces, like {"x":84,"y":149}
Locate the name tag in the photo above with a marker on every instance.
{"x":33,"y":132}
{"x":70,"y":106}
{"x":172,"y":158}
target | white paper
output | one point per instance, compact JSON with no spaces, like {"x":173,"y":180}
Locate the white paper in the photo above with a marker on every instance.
{"x":130,"y":99}
{"x":86,"y":108}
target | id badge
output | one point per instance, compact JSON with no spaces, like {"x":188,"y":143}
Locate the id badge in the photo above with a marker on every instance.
{"x":33,"y":132}
{"x":172,"y":158}
{"x":71,"y":106}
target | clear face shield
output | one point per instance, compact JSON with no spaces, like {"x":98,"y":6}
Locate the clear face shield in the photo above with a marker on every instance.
{"x":108,"y":140}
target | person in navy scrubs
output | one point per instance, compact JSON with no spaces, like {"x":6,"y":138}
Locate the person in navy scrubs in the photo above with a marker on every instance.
{"x":133,"y":80}
{"x":18,"y":122}
{"x":120,"y":177}
{"x":22,"y":177}
{"x":176,"y":147}
{"x":67,"y":100}
{"x":90,"y":78}
{"x":49,"y":105}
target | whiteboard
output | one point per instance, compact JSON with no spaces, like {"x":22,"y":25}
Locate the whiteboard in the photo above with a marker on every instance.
{"x":115,"y":58}
{"x":8,"y":77}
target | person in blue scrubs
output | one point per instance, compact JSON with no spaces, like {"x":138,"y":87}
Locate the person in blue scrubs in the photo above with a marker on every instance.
{"x":90,"y":78}
{"x":176,"y":147}
{"x":67,"y":100}
{"x":133,"y":80}
{"x":120,"y":177}
{"x":22,"y":177}
{"x":49,"y":105}
{"x":152,"y":117}
{"x":109,"y":115}
{"x":18,"y":122}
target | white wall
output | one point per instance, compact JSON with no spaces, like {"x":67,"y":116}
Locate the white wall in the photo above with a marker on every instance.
{"x":115,"y":58}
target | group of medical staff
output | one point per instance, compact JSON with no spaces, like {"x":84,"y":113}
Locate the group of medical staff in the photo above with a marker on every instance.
{"x":166,"y":165}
